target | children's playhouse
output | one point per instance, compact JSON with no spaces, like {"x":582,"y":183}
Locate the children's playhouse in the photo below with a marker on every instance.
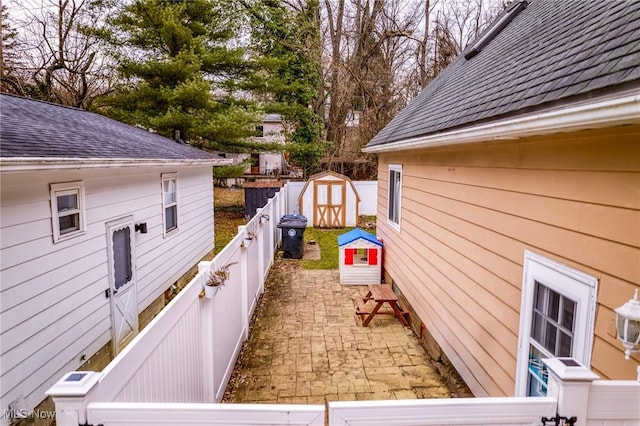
{"x":360,"y":258}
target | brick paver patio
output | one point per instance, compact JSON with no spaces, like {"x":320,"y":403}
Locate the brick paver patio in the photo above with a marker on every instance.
{"x":307,"y":346}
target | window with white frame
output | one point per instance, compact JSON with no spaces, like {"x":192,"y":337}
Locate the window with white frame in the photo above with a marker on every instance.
{"x":170,"y":202}
{"x":67,"y":210}
{"x":395,"y":194}
{"x":556,"y":320}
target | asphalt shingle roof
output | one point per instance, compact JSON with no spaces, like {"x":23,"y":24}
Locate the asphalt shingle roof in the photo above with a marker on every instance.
{"x":30,"y":128}
{"x":551,"y":53}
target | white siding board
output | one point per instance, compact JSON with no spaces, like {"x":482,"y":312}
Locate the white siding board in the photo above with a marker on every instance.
{"x":20,"y":294}
{"x":36,"y":395}
{"x":18,"y":214}
{"x":28,"y":375}
{"x":26,"y":270}
{"x":50,"y":306}
{"x":19,"y":234}
{"x":55,"y":339}
{"x":35,"y":340}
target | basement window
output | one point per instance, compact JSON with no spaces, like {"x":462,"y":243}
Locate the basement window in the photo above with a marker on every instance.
{"x":67,"y":210}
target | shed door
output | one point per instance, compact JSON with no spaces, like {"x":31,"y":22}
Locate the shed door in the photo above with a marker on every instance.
{"x":123,"y":292}
{"x":329,"y":204}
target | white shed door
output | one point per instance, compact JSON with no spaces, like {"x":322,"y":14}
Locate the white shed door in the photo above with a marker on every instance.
{"x":124,"y":306}
{"x":329,"y":204}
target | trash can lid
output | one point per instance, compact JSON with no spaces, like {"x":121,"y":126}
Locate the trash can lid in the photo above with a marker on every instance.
{"x":293,"y":221}
{"x":292,"y":216}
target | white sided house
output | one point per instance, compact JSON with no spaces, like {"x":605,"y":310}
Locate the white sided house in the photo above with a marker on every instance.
{"x":329,"y":200}
{"x":360,"y":258}
{"x":98,"y":219}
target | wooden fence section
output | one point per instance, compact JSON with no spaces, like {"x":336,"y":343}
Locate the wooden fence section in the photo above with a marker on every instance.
{"x":463,"y":411}
{"x":135,"y":414}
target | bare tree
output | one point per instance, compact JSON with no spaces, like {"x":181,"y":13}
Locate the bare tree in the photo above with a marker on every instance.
{"x":368,"y":45}
{"x":61,"y":56}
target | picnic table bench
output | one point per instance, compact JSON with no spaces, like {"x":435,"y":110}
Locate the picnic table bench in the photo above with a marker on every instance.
{"x":380,"y":294}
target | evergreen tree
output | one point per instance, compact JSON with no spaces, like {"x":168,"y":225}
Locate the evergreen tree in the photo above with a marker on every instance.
{"x":286,"y":45}
{"x":182,"y":72}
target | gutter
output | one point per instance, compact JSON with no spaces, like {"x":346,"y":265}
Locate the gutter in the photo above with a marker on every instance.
{"x":21,"y":164}
{"x":606,"y":113}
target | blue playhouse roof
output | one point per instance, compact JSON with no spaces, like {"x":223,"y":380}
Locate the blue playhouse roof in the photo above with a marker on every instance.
{"x":356,"y":234}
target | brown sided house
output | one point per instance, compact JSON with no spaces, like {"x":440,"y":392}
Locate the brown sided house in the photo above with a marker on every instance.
{"x":509,"y":199}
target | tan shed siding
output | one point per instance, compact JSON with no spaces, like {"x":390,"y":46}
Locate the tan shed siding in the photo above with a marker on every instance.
{"x":468,"y":214}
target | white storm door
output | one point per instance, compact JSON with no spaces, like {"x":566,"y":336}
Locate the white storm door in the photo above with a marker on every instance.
{"x":556,"y":320}
{"x":122,"y":273}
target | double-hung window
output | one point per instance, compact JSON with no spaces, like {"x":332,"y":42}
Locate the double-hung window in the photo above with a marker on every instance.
{"x":556,"y":320}
{"x":170,"y":202}
{"x":395,"y":195}
{"x":67,"y":210}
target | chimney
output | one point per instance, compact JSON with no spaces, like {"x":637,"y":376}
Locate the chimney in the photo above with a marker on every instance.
{"x":176,"y":137}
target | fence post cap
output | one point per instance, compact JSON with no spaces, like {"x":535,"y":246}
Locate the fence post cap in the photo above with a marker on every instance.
{"x":75,"y":383}
{"x":569,"y":369}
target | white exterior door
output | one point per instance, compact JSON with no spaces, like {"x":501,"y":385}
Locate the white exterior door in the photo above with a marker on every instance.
{"x":122,"y":279}
{"x":556,"y":320}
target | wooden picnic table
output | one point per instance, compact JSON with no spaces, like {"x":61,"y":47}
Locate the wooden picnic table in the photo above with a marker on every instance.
{"x":381,"y":294}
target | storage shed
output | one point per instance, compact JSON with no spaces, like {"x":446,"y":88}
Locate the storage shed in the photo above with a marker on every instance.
{"x":360,"y":258}
{"x":329,"y":200}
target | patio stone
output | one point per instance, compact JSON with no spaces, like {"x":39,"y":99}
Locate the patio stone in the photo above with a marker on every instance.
{"x":307,"y":346}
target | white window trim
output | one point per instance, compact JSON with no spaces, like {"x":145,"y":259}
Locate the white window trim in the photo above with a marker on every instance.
{"x":395,"y":168}
{"x":166,"y":177}
{"x":569,"y":282}
{"x":58,"y":189}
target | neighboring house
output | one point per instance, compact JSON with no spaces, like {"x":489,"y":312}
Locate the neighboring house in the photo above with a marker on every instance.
{"x":98,"y":219}
{"x":509,"y":198}
{"x":269,"y":163}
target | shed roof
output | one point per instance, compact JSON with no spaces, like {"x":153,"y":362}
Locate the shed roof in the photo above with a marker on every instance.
{"x":37,"y":129}
{"x":320,"y":175}
{"x":551,"y":54}
{"x":356,"y":234}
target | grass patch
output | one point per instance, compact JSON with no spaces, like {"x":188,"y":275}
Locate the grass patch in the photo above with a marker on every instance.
{"x":229,"y":214}
{"x":328,"y":241}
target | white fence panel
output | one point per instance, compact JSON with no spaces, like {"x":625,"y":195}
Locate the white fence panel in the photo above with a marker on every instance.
{"x":162,"y":363}
{"x":125,"y":414}
{"x":225,"y":319}
{"x":614,"y":402}
{"x":463,"y":411}
{"x":294,"y":189}
{"x":368,"y":192}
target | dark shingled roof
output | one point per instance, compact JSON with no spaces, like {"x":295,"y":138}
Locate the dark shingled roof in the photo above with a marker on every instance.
{"x":30,"y":128}
{"x":552,"y":53}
